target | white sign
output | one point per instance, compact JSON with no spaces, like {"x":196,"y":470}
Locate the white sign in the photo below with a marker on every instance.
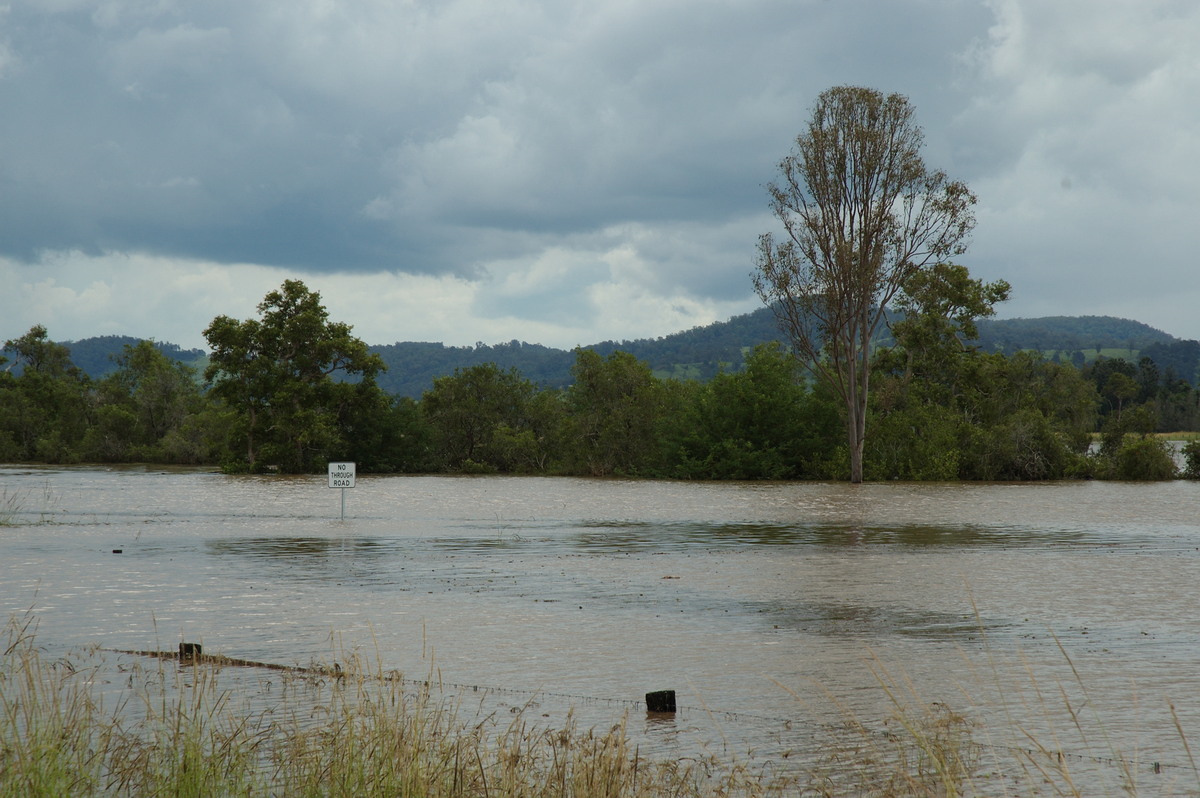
{"x":341,"y":475}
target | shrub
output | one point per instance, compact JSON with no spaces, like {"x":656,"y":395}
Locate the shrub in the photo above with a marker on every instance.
{"x":1142,"y":459}
{"x":1026,"y":446}
{"x":1191,"y":459}
{"x":916,"y":443}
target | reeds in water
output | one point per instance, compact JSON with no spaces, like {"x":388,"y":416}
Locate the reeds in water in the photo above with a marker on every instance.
{"x":172,"y":730}
{"x":78,"y":726}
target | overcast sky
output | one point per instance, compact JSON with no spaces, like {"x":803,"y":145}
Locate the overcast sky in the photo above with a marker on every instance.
{"x":562,"y":172}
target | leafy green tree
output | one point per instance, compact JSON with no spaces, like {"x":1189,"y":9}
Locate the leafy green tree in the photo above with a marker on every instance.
{"x":759,"y":423}
{"x":1178,"y":405}
{"x":1140,"y":458}
{"x":34,"y":351}
{"x":1119,"y":429}
{"x":10,"y":450}
{"x":1028,"y":418}
{"x":1180,"y":357}
{"x":616,"y":406}
{"x":1024,"y":445}
{"x":110,"y":434}
{"x":919,"y":441}
{"x":1191,"y":459}
{"x":548,"y":421}
{"x":922,"y":417}
{"x":44,"y":412}
{"x":682,"y":437}
{"x":479,"y":417}
{"x":862,"y":214}
{"x":1099,"y":372}
{"x":938,"y":313}
{"x":163,"y":391}
{"x":1120,"y":388}
{"x":1148,"y":379}
{"x":944,"y":410}
{"x":241,"y":374}
{"x":148,"y":397}
{"x":204,"y":437}
{"x":390,"y":435}
{"x":276,"y":374}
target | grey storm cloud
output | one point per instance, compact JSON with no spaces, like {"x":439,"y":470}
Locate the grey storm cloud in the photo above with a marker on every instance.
{"x":385,"y":135}
{"x":561,"y":167}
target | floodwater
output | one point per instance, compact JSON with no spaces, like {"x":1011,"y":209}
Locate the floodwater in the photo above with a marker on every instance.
{"x":774,"y":610}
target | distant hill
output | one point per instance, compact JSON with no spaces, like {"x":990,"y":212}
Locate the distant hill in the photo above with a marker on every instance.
{"x":97,"y":356}
{"x":702,"y":352}
{"x":1068,"y":333}
{"x":698,"y":353}
{"x":412,"y":366}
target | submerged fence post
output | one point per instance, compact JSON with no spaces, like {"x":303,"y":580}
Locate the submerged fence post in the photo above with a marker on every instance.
{"x":660,"y":701}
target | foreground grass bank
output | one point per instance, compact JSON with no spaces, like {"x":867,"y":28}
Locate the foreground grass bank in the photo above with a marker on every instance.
{"x":68,"y":727}
{"x":73,"y":725}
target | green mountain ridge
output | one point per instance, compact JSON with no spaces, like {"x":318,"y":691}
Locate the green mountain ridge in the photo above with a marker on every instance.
{"x":1068,"y":333}
{"x":704,"y":351}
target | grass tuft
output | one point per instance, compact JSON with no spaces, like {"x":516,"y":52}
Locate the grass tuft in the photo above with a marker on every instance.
{"x":354,"y":732}
{"x":353,"y":729}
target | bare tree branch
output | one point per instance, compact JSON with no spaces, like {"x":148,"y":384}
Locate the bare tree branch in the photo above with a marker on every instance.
{"x":860,"y":215}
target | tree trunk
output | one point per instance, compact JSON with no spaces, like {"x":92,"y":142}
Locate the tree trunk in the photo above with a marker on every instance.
{"x":250,"y":453}
{"x":855,"y":430}
{"x":856,"y":417}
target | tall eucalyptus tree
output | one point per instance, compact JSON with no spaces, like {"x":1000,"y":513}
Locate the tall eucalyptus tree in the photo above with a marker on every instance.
{"x":861,"y":213}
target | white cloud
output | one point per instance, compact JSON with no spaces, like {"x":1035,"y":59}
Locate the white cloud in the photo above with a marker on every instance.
{"x":1081,"y":134}
{"x":79,"y":296}
{"x":76,"y":296}
{"x":7,"y":58}
{"x":184,"y":49}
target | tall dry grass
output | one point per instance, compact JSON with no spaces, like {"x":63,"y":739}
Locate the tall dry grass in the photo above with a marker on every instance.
{"x":358,"y":731}
{"x":15,"y":504}
{"x":11,"y":504}
{"x":73,"y":726}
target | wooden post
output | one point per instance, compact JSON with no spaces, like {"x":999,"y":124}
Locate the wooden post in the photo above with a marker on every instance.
{"x":660,"y":701}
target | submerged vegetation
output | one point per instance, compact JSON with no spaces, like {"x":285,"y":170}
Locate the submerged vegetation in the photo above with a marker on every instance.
{"x":175,"y":730}
{"x":939,"y":409}
{"x":78,"y":725}
{"x":20,"y":507}
{"x":11,"y":505}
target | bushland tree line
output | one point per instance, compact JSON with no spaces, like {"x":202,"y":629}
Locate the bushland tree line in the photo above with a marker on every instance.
{"x":292,"y":390}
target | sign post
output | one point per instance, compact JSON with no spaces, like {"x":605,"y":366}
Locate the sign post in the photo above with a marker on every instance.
{"x":341,"y":475}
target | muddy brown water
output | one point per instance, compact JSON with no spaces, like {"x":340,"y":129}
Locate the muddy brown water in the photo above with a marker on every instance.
{"x":775,"y":610}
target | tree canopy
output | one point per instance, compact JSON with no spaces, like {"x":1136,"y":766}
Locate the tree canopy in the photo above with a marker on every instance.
{"x":276,"y":374}
{"x":861,"y":213}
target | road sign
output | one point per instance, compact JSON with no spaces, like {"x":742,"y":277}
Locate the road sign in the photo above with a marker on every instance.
{"x":341,"y":475}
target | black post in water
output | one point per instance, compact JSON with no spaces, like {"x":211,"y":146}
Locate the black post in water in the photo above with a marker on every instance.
{"x":660,"y":701}
{"x":189,"y":652}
